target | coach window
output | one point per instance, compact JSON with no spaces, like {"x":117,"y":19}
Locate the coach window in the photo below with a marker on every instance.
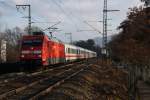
{"x":73,"y":51}
{"x":68,"y":50}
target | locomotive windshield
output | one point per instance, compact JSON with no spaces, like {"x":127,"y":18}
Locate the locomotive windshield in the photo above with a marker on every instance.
{"x":32,"y":43}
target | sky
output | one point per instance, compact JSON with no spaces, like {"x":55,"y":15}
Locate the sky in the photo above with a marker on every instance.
{"x":71,"y":13}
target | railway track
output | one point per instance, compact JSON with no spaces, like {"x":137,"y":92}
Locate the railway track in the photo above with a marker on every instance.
{"x":143,"y":91}
{"x":33,"y":85}
{"x":13,"y":76}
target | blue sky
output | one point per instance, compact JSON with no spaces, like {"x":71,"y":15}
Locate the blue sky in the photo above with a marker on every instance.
{"x":71,"y":13}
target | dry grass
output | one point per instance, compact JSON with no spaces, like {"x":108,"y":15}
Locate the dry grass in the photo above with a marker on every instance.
{"x":94,"y":83}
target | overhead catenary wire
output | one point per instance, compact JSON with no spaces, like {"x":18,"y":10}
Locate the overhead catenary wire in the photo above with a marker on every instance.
{"x":65,"y":13}
{"x":13,"y":7}
{"x":81,"y":19}
{"x":60,"y":4}
{"x":72,"y":14}
{"x":92,"y":27}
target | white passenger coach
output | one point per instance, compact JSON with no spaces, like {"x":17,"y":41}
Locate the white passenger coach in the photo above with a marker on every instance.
{"x":74,"y":53}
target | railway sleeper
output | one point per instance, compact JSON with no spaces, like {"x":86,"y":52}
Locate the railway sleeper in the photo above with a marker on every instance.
{"x":16,"y":91}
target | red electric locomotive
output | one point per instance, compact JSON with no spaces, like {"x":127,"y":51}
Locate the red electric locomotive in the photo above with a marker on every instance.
{"x":42,"y":49}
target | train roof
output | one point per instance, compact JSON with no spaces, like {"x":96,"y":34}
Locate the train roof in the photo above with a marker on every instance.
{"x":55,"y":39}
{"x":42,"y":35}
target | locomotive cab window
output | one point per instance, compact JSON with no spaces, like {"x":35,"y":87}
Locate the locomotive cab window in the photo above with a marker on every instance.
{"x":32,"y":43}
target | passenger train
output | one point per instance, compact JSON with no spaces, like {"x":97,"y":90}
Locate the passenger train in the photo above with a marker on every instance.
{"x":45,"y":50}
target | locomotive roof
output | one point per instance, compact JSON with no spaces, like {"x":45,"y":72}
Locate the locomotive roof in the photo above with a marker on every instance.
{"x":32,"y":36}
{"x":55,"y":39}
{"x":42,"y":36}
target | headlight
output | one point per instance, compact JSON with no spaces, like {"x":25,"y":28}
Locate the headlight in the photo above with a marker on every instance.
{"x":37,"y":52}
{"x":22,"y":56}
{"x":39,"y":55}
{"x":25,"y":52}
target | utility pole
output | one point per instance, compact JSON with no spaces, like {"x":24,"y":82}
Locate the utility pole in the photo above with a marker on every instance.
{"x":29,"y":15}
{"x":104,"y":42}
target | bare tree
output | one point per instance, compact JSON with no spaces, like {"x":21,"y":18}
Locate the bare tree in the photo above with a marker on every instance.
{"x":12,"y":36}
{"x":132,"y":44}
{"x":147,"y":2}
